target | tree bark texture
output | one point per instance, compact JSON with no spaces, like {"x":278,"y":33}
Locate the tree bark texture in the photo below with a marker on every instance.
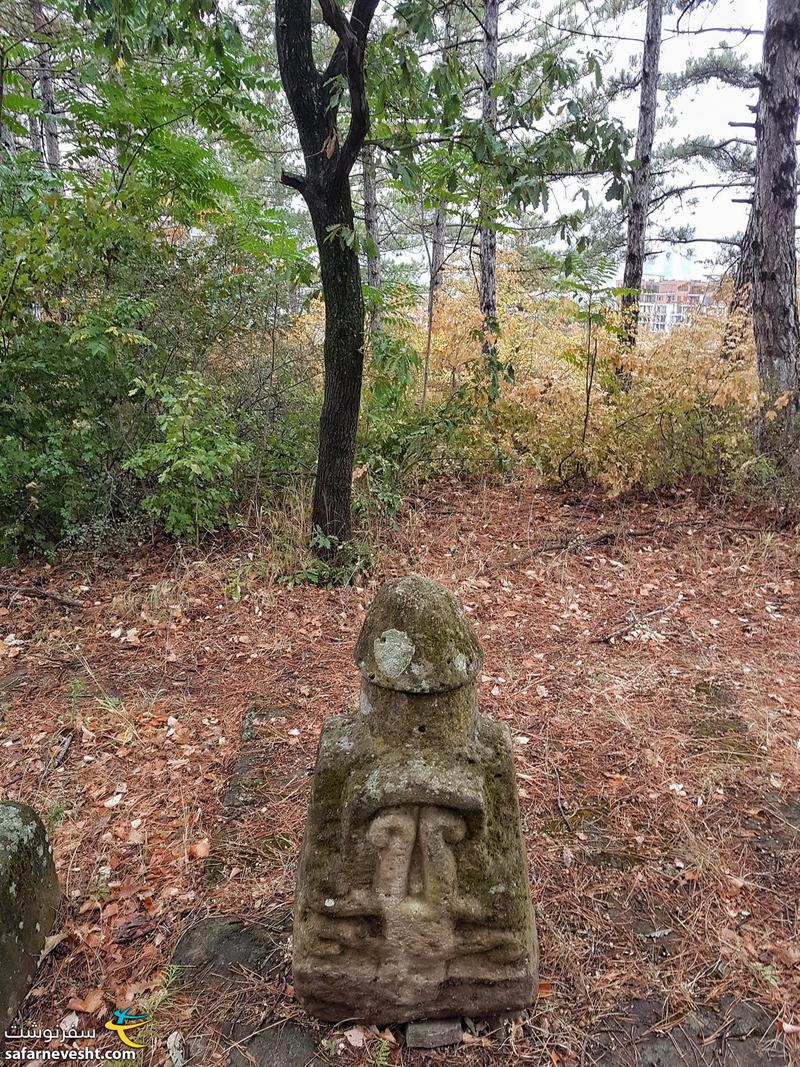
{"x":368,"y":160}
{"x":344,"y":363}
{"x":774,"y":267}
{"x":642,"y":176}
{"x":325,"y":186}
{"x":437,"y":258}
{"x":741,"y":305}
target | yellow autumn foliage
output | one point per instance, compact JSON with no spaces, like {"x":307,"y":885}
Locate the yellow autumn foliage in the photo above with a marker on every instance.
{"x":686,"y":409}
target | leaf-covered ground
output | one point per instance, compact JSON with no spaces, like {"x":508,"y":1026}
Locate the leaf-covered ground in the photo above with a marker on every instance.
{"x":645,"y":654}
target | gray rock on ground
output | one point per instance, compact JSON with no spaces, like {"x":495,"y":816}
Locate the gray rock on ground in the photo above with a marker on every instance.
{"x":726,"y":1034}
{"x":222,"y":950}
{"x":272,"y":1044}
{"x":29,"y":895}
{"x":434,"y":1033}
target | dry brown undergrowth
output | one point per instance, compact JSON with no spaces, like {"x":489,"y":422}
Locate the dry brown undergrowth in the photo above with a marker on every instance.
{"x":651,"y":680}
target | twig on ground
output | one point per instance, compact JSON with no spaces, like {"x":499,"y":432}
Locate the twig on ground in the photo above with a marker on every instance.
{"x":557,"y":546}
{"x":41,"y":594}
{"x":63,"y":749}
{"x":608,"y":537}
{"x":560,"y":801}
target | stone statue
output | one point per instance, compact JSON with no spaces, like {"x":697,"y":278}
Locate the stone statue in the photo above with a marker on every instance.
{"x":413,"y":900}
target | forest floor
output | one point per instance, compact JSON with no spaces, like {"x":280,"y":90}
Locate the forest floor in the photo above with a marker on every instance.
{"x":646,"y":656}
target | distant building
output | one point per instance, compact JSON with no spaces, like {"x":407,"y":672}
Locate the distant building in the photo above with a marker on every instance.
{"x":665,"y":303}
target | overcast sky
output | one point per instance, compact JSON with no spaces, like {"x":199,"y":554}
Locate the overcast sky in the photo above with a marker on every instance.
{"x":706,"y":110}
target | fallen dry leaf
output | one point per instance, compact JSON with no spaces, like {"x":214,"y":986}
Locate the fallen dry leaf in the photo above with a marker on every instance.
{"x":199,"y":850}
{"x":355,"y":1036}
{"x":51,"y":942}
{"x":474,"y":1039}
{"x":91,"y":1003}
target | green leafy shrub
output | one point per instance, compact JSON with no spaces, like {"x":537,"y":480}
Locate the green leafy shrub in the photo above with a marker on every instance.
{"x":193,"y":462}
{"x":70,"y":346}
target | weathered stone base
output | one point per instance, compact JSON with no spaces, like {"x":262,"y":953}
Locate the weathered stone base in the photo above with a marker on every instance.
{"x":385,"y":1003}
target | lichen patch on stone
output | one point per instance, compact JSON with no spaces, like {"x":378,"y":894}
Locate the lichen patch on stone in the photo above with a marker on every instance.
{"x":394,"y":652}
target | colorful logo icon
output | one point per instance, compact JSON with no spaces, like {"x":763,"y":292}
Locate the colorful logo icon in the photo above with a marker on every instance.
{"x":122,"y":1022}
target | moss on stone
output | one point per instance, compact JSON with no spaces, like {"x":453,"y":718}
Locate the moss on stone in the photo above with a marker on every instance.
{"x":28,"y":899}
{"x":429,"y":722}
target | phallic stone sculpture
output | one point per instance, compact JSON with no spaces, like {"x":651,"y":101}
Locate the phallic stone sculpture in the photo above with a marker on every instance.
{"x":413,"y":898}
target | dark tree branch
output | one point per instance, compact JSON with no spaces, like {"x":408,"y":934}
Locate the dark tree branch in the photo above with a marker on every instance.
{"x":746,"y":31}
{"x":293,"y":181}
{"x":352,"y":34}
{"x":299,"y":74}
{"x":41,"y":594}
{"x":360,"y":21}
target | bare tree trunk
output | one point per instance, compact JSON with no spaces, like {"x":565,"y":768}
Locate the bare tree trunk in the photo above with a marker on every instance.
{"x":52,"y":149}
{"x":438,"y":252}
{"x":344,"y":362}
{"x":325,"y":186}
{"x":642,"y":176}
{"x":437,"y":257}
{"x":742,"y":295}
{"x":775,"y":315}
{"x":488,"y":235}
{"x":368,"y":160}
{"x":438,"y":245}
{"x":35,"y":129}
{"x":8,"y":144}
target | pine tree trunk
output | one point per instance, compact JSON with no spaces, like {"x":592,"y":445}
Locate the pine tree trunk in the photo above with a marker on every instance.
{"x":741,"y":305}
{"x":488,"y":235}
{"x":52,"y":149}
{"x":344,"y":367}
{"x":438,"y":245}
{"x":35,"y":129}
{"x":775,"y":314}
{"x":642,"y":176}
{"x":368,"y":160}
{"x":438,"y":254}
{"x":439,"y":229}
{"x":742,"y":295}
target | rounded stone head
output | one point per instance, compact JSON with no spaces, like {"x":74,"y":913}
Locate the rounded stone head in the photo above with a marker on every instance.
{"x":417,"y":639}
